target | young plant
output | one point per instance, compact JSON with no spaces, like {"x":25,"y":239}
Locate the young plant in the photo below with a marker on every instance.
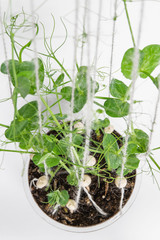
{"x":58,"y":144}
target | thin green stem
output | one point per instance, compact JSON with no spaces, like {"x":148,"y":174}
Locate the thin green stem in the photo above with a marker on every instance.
{"x":52,"y":104}
{"x":3,"y":125}
{"x":65,"y":167}
{"x":16,"y":151}
{"x":52,"y":176}
{"x":59,"y":105}
{"x":50,"y":111}
{"x":98,"y":104}
{"x":129,"y":22}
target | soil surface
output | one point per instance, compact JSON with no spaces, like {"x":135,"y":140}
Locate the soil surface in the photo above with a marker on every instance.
{"x":106,"y":195}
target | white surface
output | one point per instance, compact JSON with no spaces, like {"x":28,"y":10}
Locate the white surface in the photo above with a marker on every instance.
{"x":18,"y":221}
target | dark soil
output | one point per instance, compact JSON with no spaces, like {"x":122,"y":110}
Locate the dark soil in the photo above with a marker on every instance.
{"x":106,"y":195}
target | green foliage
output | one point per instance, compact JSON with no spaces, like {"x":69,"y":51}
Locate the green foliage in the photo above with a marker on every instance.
{"x":54,"y":149}
{"x":23,"y":86}
{"x":15,"y":131}
{"x":62,"y":147}
{"x":72,"y":179}
{"x":77,"y":139}
{"x":66,"y":93}
{"x":113,"y":160}
{"x":8,"y":66}
{"x":25,"y":121}
{"x":132,"y":162}
{"x":24,"y":74}
{"x":100,"y":124}
{"x":149,"y":59}
{"x":29,"y":110}
{"x":36,"y":158}
{"x":110,"y":143}
{"x":99,"y":111}
{"x":58,"y":197}
{"x":118,"y":89}
{"x":59,"y":79}
{"x":127,"y":63}
{"x":49,"y":159}
{"x":116,"y":107}
{"x":140,"y":139}
{"x":80,"y":92}
{"x":112,"y":157}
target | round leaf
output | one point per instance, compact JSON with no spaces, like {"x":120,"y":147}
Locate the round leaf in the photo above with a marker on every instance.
{"x":127,"y":63}
{"x":113,"y":160}
{"x":110,"y":143}
{"x":72,"y":179}
{"x":116,"y":107}
{"x":151,"y":59}
{"x":118,"y":89}
{"x":132,"y":162}
{"x":29,"y":110}
{"x":63,"y":198}
{"x":52,"y":162}
{"x":66,"y":93}
{"x":23,"y":86}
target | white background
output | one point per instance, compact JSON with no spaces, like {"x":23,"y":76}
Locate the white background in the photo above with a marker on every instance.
{"x":17,"y":218}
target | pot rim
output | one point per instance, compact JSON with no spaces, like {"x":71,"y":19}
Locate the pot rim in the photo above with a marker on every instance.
{"x":92,"y":228}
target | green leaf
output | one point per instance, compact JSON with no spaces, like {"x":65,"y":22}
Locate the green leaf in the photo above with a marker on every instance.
{"x":151,"y":59}
{"x":110,"y":143}
{"x":10,"y":65}
{"x":40,"y":74}
{"x":80,"y":99}
{"x":61,"y":148}
{"x":64,"y":197}
{"x":52,"y":161}
{"x":99,"y":124}
{"x":141,"y":139}
{"x":67,"y":93}
{"x":24,"y":142}
{"x":36,"y":158}
{"x":29,"y":110}
{"x":127,"y":63}
{"x":80,"y":92}
{"x":48,"y":142}
{"x":99,"y":111}
{"x":60,"y":116}
{"x":132,"y":148}
{"x":45,"y":157}
{"x":53,"y":198}
{"x":72,"y":179}
{"x":81,"y":81}
{"x":26,"y":66}
{"x":77,"y":139}
{"x":132,"y":162}
{"x":118,"y":89}
{"x":23,"y":86}
{"x":59,"y":79}
{"x":25,"y":69}
{"x":116,"y":107}
{"x":58,"y":197}
{"x":113,"y":160}
{"x":14,"y":132}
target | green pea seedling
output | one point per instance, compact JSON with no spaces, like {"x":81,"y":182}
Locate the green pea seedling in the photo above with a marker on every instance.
{"x":52,"y":146}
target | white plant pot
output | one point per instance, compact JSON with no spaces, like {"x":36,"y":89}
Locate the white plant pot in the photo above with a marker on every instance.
{"x":78,"y":229}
